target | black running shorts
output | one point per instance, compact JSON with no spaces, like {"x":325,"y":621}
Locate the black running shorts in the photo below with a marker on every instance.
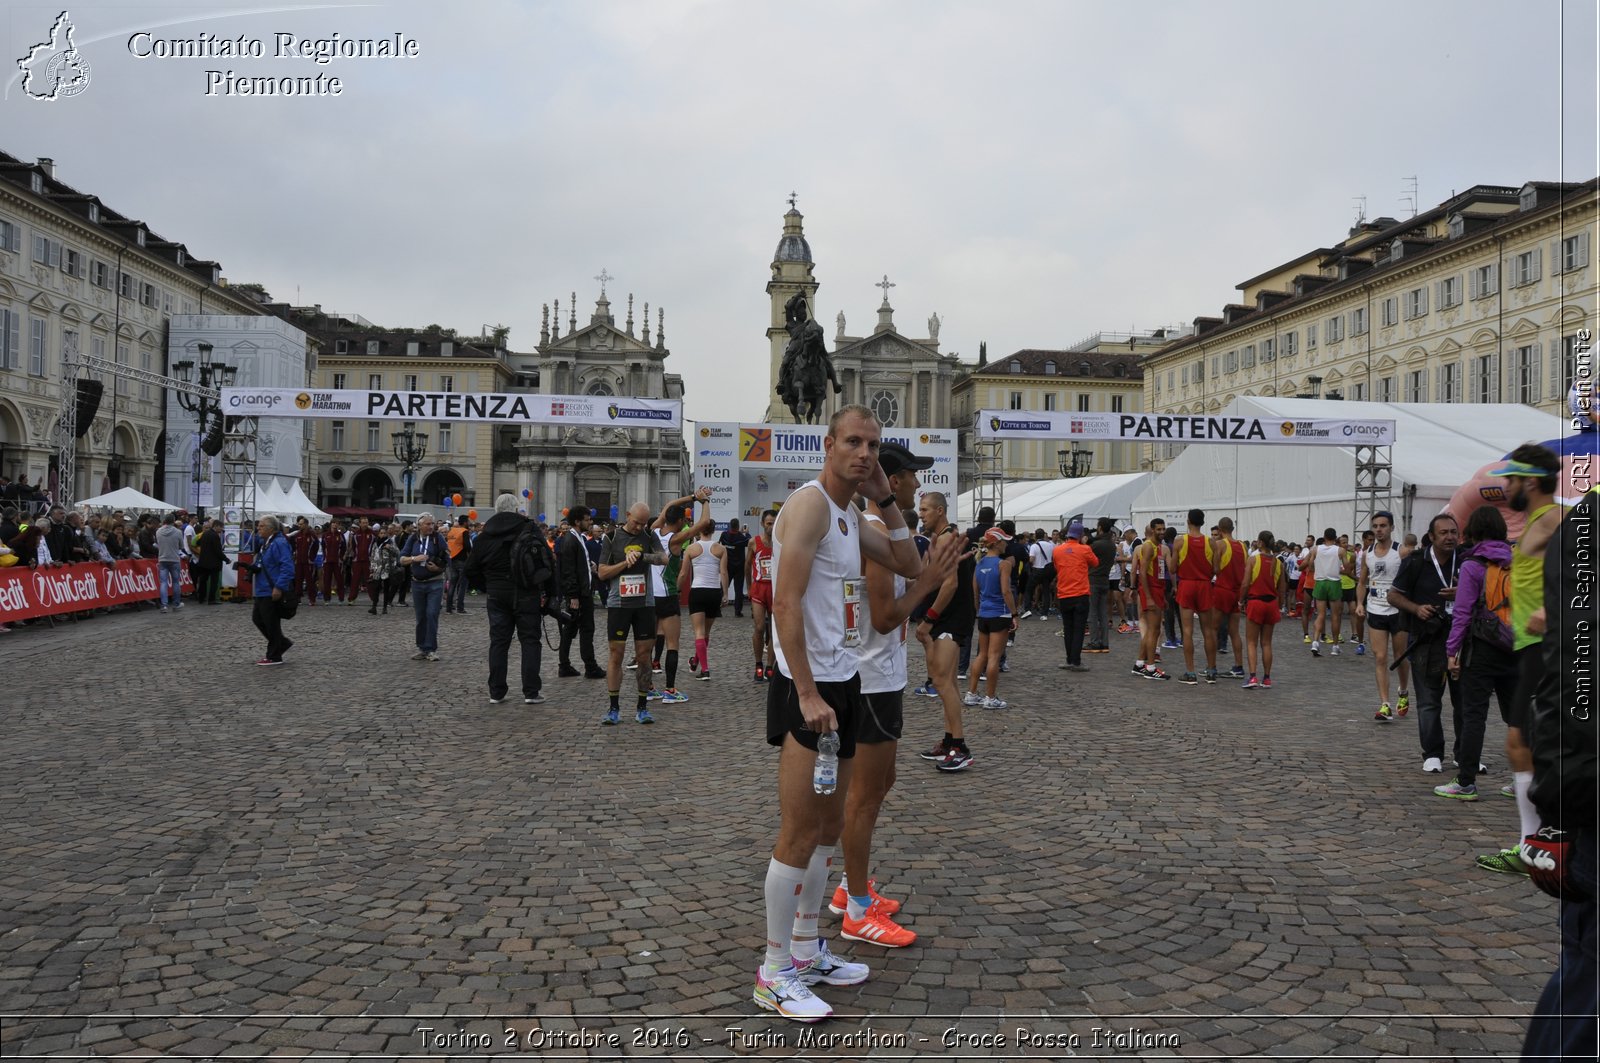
{"x":884,"y":719}
{"x":784,"y":717}
{"x":668,"y":606}
{"x":639,"y":619}
{"x":707,"y":600}
{"x":1394,"y":623}
{"x":1530,"y":666}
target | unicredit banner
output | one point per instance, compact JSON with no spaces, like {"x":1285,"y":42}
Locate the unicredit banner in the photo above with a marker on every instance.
{"x":512,"y":408}
{"x":26,"y":592}
{"x":1176,"y":428}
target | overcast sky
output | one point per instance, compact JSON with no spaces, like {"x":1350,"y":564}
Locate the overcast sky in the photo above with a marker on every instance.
{"x":1034,"y":172}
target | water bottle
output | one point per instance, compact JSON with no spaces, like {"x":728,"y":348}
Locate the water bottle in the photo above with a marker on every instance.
{"x":825,"y":777}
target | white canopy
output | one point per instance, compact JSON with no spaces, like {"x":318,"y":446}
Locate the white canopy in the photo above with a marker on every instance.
{"x":1044,"y":503}
{"x":1299,"y":490}
{"x":270,"y":498}
{"x":125,"y":498}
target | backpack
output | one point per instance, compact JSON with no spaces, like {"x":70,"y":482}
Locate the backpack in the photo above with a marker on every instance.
{"x":1492,"y":623}
{"x":532,"y":564}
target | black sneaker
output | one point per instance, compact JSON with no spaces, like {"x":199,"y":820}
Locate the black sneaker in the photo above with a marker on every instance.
{"x":958,"y":759}
{"x":939,"y":751}
{"x":567,"y":672}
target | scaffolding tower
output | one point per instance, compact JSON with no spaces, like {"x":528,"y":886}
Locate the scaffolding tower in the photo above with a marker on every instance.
{"x":239,"y":442}
{"x":1374,"y":485}
{"x":988,"y":483}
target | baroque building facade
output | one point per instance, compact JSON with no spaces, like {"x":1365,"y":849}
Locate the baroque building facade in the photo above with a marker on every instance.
{"x":77,"y":276}
{"x":1486,"y":297}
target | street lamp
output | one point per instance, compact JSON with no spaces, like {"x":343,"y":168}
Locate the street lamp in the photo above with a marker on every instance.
{"x":1075,"y":463}
{"x":410,"y":447}
{"x":1316,"y":389}
{"x":210,"y":375}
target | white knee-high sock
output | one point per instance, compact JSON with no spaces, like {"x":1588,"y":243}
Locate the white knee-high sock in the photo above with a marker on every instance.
{"x":1523,"y":781}
{"x":818,"y":873}
{"x":783,"y":900}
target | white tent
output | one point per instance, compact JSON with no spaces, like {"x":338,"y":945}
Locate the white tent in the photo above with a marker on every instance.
{"x":126,"y":498}
{"x":1044,"y":503}
{"x":1295,"y":491}
{"x":270,"y":498}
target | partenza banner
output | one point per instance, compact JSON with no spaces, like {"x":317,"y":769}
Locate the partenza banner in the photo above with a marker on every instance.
{"x":1180,"y":428}
{"x":29,"y":592}
{"x":503,"y":408}
{"x":751,"y":468}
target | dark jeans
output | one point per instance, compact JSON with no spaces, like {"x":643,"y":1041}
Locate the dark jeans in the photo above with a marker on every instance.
{"x":1170,"y":619}
{"x":267,"y":620}
{"x":736,"y":584}
{"x":505,"y":618}
{"x":1429,"y":679}
{"x":426,"y":595}
{"x":1488,"y":670}
{"x":1099,"y":617}
{"x":1074,"y":611}
{"x":457,"y":599}
{"x":1563,"y":1023}
{"x":208,"y":585}
{"x":581,"y":628}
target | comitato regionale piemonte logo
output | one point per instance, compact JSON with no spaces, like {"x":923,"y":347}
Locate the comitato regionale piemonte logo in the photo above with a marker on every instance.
{"x":55,"y":69}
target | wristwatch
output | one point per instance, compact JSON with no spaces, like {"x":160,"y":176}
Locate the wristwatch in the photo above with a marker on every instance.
{"x":887,"y":503}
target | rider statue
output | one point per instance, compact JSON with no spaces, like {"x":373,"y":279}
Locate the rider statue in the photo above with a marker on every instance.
{"x":806,"y":370}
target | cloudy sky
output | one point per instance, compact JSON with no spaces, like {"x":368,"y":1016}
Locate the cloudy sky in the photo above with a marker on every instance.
{"x":1034,"y":172}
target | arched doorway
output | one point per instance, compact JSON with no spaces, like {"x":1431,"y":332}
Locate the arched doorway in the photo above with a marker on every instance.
{"x":598,"y":487}
{"x":371,"y":489}
{"x":12,"y":441}
{"x":440,"y":483}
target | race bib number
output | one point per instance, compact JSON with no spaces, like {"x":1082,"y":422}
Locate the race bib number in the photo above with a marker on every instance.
{"x":852,"y":611}
{"x":764,"y":569}
{"x":631,"y":586}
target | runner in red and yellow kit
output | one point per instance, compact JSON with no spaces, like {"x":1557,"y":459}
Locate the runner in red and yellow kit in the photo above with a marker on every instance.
{"x":1197,"y":566}
{"x":1149,"y":576}
{"x":1230,"y":555}
{"x":1265,"y":587}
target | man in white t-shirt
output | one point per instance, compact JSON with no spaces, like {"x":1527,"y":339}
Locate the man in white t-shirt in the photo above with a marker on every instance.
{"x":1386,"y":629}
{"x":1041,"y":576}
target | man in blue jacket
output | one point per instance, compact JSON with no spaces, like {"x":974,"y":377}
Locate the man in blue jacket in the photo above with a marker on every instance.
{"x":274,"y":569}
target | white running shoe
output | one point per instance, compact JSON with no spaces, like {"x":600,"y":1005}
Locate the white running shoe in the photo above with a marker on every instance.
{"x":995,"y":703}
{"x":829,"y":969}
{"x":1316,"y":647}
{"x":1432,"y":766}
{"x":787,"y":995}
{"x":1336,"y":649}
{"x":971,"y":699}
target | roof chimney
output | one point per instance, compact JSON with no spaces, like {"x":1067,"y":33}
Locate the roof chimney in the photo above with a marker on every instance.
{"x":48,"y":166}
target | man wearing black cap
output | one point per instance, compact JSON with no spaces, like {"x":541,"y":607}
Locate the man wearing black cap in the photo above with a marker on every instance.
{"x":890,"y":600}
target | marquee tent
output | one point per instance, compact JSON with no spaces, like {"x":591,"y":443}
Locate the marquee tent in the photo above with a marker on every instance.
{"x":1043,"y":503}
{"x":1299,"y":490}
{"x":126,"y":498}
{"x":270,"y":498}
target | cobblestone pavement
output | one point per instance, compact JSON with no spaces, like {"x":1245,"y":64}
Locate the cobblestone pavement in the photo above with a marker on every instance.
{"x":206,"y":858}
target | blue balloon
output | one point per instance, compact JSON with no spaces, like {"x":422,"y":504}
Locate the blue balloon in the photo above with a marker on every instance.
{"x":613,"y":512}
{"x":447,"y":502}
{"x":541,"y":518}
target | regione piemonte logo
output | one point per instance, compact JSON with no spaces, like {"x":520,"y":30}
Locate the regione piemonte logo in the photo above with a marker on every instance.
{"x":55,"y":69}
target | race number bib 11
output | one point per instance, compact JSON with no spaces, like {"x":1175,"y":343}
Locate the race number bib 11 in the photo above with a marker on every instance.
{"x":764,"y":569}
{"x":852,"y":611}
{"x":631,"y":586}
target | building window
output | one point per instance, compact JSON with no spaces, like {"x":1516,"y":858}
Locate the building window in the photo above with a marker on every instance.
{"x":100,"y":275}
{"x":1358,"y":321}
{"x":1016,"y":367}
{"x":1169,"y":380}
{"x":71,"y":263}
{"x":166,"y":302}
{"x":375,"y":382}
{"x":1417,"y":385}
{"x":1525,"y":268}
{"x":1526,"y":363}
{"x":10,"y":339}
{"x":1050,"y":369}
{"x":1569,"y":362}
{"x":125,"y":284}
{"x":122,"y":359}
{"x":1450,"y":382}
{"x":1574,"y":252}
{"x":1231,"y":362}
{"x":1116,"y":404}
{"x":338,"y":381}
{"x":1291,"y":344}
{"x":10,"y":236}
{"x":1416,"y":303}
{"x":1049,"y":401}
{"x":1268,"y":350}
{"x":373,"y":346}
{"x":1083,"y":404}
{"x":372,"y":437}
{"x":1358,"y":391}
{"x":1389,"y":310}
{"x":1449,"y":293}
{"x":1335,"y":330}
{"x":336,"y":436}
{"x":1483,"y":281}
{"x":885,"y":407}
{"x":42,"y":250}
{"x":409,"y":380}
{"x":1484,"y":384}
{"x":447,"y":382}
{"x":1185,"y":376}
{"x":147,"y":295}
{"x":1386,"y":389}
{"x":36,"y":353}
{"x":341,"y":346}
{"x":144,"y":363}
{"x":1016,"y":400}
{"x":97,"y":348}
{"x":446,"y":437}
{"x":1311,"y":337}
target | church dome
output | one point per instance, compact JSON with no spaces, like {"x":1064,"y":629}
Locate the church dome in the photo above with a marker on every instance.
{"x":792,"y":246}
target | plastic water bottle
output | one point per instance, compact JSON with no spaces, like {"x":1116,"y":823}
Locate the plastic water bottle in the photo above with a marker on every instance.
{"x":825,"y":777}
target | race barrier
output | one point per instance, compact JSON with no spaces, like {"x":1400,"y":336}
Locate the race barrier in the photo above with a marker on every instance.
{"x":26,"y":593}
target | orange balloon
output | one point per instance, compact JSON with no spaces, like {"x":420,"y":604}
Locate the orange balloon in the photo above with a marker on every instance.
{"x":472,"y":514}
{"x":456,"y":498}
{"x":565,"y":510}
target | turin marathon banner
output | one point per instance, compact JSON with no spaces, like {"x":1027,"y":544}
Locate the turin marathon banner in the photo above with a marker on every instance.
{"x":1180,"y":428}
{"x":496,"y":407}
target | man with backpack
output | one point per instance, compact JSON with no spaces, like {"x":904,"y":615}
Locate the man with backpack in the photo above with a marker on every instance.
{"x":519,"y":573}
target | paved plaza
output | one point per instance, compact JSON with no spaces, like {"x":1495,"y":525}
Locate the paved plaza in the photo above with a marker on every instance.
{"x":203,"y":858}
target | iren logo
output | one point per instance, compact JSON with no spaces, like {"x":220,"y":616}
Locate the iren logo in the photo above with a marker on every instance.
{"x":55,"y":69}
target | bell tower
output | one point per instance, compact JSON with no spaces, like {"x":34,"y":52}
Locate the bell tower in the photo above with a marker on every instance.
{"x":791,"y":274}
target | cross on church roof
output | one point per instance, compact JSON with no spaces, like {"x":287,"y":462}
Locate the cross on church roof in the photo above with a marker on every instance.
{"x":603,"y":277}
{"x":792,"y":196}
{"x":885,"y":284}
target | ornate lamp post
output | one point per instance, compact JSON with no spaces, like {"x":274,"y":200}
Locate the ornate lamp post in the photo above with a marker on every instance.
{"x":410,"y":447}
{"x":1075,"y":463}
{"x":210,"y":375}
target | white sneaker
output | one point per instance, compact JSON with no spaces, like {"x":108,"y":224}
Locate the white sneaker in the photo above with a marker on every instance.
{"x":1336,"y":650}
{"x":995,"y":703}
{"x":969,"y":698}
{"x":787,"y":995}
{"x":1316,"y":647}
{"x":1432,"y":766}
{"x":829,"y":969}
{"x":1026,"y":613}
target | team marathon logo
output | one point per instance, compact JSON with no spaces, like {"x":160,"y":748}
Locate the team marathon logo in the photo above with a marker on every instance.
{"x":55,"y":69}
{"x":1287,"y":428}
{"x":302,"y":401}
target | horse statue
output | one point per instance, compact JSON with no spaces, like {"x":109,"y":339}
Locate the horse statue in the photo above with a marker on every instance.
{"x":806,"y":370}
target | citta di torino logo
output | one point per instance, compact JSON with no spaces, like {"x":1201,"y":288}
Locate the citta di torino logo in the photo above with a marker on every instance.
{"x":54,"y":69}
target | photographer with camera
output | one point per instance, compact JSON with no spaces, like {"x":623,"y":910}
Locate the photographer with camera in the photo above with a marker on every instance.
{"x":425,"y":556}
{"x":1425,"y":590}
{"x":518,"y":570}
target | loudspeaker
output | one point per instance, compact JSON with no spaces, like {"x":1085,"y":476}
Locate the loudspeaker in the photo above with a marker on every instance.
{"x":211,"y":444}
{"x":89,"y":392}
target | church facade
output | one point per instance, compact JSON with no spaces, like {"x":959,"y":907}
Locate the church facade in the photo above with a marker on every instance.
{"x":904,"y":380}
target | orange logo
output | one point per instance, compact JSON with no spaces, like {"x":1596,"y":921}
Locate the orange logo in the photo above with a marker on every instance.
{"x":755,"y":444}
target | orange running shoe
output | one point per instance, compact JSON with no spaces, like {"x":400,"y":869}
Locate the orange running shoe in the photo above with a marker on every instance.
{"x":877,"y":928}
{"x":841,"y":900}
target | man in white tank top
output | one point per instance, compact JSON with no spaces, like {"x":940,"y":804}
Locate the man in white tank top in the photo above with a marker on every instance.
{"x":818,"y":552}
{"x":1385,"y":626}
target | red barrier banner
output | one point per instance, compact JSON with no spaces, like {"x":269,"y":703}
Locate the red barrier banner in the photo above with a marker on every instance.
{"x":26,"y":592}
